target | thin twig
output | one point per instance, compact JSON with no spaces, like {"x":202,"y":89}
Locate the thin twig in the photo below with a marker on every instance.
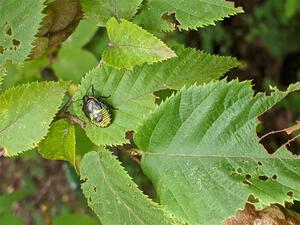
{"x":290,"y":141}
{"x":73,"y":119}
{"x":270,"y":133}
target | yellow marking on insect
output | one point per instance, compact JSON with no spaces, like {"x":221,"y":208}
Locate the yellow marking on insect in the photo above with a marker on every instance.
{"x":106,"y":117}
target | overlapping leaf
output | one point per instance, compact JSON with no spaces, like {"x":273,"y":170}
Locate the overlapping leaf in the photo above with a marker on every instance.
{"x":83,"y":34}
{"x":203,"y":156}
{"x":114,"y":197}
{"x":19,"y":23}
{"x":103,"y":10}
{"x":59,"y":144}
{"x":130,"y":45}
{"x":189,"y":14}
{"x":26,"y":112}
{"x":75,"y":219}
{"x":126,"y":88}
{"x":73,"y":62}
{"x":19,"y":73}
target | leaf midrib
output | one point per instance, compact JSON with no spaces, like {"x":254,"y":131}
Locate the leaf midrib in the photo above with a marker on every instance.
{"x":158,"y":50}
{"x":114,"y":192}
{"x":216,"y":156}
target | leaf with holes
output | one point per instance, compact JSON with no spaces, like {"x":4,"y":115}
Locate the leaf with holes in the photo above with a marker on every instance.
{"x":130,"y":45}
{"x":187,"y":14}
{"x":19,"y":24}
{"x":59,"y":144}
{"x":103,"y":10}
{"x":201,"y":152}
{"x":114,"y":197}
{"x":125,"y":88}
{"x":26,"y":112}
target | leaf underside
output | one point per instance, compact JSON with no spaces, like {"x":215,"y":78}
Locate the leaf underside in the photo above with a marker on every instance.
{"x":188,"y":14}
{"x":201,"y":153}
{"x":59,"y":144}
{"x":113,"y":196}
{"x":130,"y":45}
{"x":26,"y":112}
{"x":19,"y":23}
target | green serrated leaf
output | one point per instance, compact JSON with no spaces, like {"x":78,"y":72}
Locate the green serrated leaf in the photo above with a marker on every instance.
{"x":125,"y":88}
{"x":19,"y":73}
{"x":3,"y":73}
{"x":189,"y":14}
{"x":59,"y":144}
{"x":130,"y":45}
{"x":103,"y":10}
{"x":75,"y":219}
{"x":127,"y":112}
{"x":114,"y":197}
{"x":18,"y":26}
{"x":201,"y":152}
{"x":26,"y":112}
{"x":73,"y":62}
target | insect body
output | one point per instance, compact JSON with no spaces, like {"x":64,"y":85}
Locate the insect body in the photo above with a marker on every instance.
{"x":97,"y":112}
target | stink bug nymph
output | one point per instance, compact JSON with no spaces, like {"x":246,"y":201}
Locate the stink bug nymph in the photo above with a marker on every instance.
{"x":96,"y":111}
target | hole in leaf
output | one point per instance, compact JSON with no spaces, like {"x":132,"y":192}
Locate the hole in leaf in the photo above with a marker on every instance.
{"x":263,"y":178}
{"x":8,"y":30}
{"x":90,"y":199}
{"x":239,"y":170}
{"x":246,"y":182}
{"x":171,"y":19}
{"x":290,"y":193}
{"x":252,"y":199}
{"x":16,"y":42}
{"x":94,"y":188}
{"x":247,"y":179}
{"x":1,"y":49}
{"x":84,"y":180}
{"x":259,"y":163}
{"x":274,"y":177}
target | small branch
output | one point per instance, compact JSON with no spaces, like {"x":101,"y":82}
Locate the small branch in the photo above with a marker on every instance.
{"x":270,"y":133}
{"x":73,"y":119}
{"x":290,"y":141}
{"x":288,"y":130}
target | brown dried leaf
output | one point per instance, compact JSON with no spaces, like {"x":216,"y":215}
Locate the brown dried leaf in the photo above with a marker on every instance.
{"x":272,"y":215}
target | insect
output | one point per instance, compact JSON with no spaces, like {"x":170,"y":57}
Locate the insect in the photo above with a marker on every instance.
{"x":95,"y":110}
